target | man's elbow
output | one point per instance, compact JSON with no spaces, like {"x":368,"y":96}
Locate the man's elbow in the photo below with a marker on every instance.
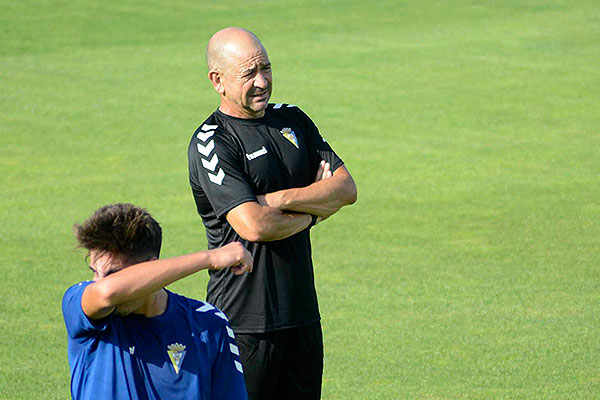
{"x":253,"y":232}
{"x":250,"y":235}
{"x":350,"y":193}
{"x":249,"y":222}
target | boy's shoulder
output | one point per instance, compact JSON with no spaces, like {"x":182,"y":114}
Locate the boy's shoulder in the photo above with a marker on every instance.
{"x":200,"y":309}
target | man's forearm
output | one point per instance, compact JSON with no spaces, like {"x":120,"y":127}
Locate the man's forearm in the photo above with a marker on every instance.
{"x":321,"y":198}
{"x":258,"y":223}
{"x":282,"y":225}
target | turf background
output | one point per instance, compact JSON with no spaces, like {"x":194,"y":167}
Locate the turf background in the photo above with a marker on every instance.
{"x":469,"y":267}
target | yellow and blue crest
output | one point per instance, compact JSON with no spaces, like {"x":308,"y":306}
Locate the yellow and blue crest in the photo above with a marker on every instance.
{"x":289,"y":134}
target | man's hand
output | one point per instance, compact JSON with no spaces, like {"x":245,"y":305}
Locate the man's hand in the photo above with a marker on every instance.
{"x":257,"y":222}
{"x":275,"y":199}
{"x":234,"y":256}
{"x":324,"y":197}
{"x":286,"y":212}
{"x":323,"y":172}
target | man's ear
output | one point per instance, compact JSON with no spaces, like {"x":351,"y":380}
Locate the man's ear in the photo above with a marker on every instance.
{"x":215,"y":78}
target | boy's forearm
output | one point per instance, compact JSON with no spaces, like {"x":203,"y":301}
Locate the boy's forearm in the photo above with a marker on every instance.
{"x":139,"y":280}
{"x":101,"y":297}
{"x":145,"y":278}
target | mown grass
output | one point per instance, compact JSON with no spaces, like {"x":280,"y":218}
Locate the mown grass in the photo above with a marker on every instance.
{"x":469,"y":267}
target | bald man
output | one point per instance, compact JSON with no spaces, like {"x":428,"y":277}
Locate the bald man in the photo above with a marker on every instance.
{"x":262,"y":174}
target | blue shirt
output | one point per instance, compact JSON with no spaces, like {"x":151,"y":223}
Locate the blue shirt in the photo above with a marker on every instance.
{"x":188,"y":352}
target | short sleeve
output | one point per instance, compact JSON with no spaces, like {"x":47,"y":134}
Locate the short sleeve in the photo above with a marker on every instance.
{"x":217,"y":170}
{"x":227,"y":373}
{"x":318,"y":147}
{"x":77,"y":323}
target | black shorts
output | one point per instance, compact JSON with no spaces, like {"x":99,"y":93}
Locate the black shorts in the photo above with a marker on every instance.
{"x":285,"y":364}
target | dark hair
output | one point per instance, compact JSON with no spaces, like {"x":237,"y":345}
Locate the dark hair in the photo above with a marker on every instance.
{"x":121,"y":230}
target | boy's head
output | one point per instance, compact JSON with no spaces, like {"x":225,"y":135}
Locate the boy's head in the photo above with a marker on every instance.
{"x":117,"y":236}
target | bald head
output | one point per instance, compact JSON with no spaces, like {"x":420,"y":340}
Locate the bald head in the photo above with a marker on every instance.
{"x":230,"y":44}
{"x":240,"y":71}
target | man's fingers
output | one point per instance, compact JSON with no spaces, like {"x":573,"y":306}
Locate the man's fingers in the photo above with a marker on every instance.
{"x":262,"y":200}
{"x":326,"y":171}
{"x":320,"y":171}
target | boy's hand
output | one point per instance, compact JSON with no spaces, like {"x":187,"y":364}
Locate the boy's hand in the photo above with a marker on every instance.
{"x":232,"y":255}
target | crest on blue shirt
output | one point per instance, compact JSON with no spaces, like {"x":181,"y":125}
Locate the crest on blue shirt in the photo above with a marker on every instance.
{"x":289,"y":134}
{"x":176,"y":353}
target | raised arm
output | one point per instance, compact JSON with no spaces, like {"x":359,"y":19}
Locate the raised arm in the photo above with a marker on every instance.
{"x":259,"y":223}
{"x":100,"y":298}
{"x":324,"y":197}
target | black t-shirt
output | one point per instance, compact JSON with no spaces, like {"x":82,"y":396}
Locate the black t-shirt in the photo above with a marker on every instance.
{"x":231,"y":160}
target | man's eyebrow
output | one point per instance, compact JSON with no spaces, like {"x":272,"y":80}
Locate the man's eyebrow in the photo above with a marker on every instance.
{"x":248,"y":70}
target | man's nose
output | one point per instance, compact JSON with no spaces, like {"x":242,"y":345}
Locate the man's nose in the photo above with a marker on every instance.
{"x":260,"y":81}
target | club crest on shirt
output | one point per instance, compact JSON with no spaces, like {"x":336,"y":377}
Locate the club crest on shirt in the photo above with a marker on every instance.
{"x":176,"y":353}
{"x":289,"y":134}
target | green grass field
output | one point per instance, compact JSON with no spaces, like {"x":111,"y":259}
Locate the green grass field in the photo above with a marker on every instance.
{"x":469,"y":268}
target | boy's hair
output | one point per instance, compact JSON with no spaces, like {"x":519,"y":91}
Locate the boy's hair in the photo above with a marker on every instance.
{"x":121,"y":230}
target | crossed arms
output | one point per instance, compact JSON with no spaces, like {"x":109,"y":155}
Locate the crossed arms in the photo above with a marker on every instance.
{"x":284,"y":213}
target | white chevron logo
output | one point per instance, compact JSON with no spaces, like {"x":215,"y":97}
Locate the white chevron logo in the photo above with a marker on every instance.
{"x":229,"y":331}
{"x":218,"y":179}
{"x":205,"y":135}
{"x":212,"y":164}
{"x":205,"y":150}
{"x":209,"y":127}
{"x":206,"y":307}
{"x":221,"y":314}
{"x":238,"y":366}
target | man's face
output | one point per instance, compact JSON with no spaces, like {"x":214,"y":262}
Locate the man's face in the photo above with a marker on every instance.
{"x":247,"y":83}
{"x":103,"y":265}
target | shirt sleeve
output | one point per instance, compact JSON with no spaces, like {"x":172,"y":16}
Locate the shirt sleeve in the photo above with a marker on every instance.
{"x":77,"y":323}
{"x":217,"y":170}
{"x":318,"y":147}
{"x":227,"y":372}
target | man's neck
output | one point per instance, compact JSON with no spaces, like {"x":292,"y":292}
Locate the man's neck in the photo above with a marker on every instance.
{"x":232,"y":112}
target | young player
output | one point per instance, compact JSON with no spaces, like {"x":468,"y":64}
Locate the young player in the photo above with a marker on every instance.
{"x":128,"y":337}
